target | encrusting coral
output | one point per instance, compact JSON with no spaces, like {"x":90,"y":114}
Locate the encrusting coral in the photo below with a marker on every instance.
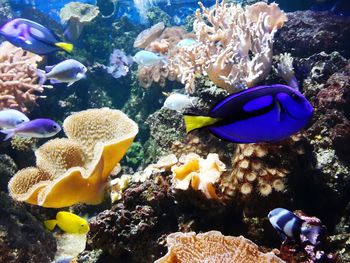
{"x":201,"y":174}
{"x":18,"y":78}
{"x":148,"y":35}
{"x":234,"y":45}
{"x":212,"y":247}
{"x":76,"y":169}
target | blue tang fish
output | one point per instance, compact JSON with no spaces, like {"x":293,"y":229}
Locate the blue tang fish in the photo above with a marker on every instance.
{"x":259,"y":114}
{"x":290,"y":226}
{"x":33,"y":37}
{"x":38,"y":128}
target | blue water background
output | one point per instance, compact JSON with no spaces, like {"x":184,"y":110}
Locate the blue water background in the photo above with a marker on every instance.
{"x":179,"y":9}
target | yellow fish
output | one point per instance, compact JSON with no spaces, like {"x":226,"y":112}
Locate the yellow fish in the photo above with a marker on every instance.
{"x":69,"y":223}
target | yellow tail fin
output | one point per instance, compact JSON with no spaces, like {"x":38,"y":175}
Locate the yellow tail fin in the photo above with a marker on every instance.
{"x":196,"y":122}
{"x":65,"y":46}
{"x":50,"y":224}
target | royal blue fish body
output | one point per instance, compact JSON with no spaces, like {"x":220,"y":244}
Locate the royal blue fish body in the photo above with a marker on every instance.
{"x":30,"y":36}
{"x":261,"y":114}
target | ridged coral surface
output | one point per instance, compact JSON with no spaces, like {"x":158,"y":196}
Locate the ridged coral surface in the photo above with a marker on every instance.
{"x":64,"y":176}
{"x":213,"y":247}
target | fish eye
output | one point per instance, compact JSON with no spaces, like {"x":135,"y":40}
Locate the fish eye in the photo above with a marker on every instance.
{"x":54,"y":127}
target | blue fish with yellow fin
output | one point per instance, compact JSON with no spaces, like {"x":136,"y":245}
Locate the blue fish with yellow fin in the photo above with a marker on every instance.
{"x":259,"y":114}
{"x":33,"y":37}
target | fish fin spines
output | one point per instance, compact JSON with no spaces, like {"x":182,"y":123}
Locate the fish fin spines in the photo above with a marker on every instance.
{"x":50,"y":224}
{"x":196,"y":122}
{"x":68,"y":47}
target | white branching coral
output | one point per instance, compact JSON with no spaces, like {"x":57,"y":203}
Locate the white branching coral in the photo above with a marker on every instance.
{"x":286,"y":71}
{"x":234,"y":45}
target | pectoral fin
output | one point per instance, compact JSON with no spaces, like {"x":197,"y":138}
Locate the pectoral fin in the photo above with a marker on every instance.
{"x":50,"y":224}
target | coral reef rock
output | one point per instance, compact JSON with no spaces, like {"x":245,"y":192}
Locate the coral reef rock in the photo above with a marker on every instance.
{"x":22,"y":237}
{"x":131,"y":231}
{"x":310,"y":32}
{"x":7,"y":169}
{"x":330,"y":130}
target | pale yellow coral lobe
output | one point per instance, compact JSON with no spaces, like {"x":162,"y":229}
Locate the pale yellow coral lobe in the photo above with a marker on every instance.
{"x":201,"y":174}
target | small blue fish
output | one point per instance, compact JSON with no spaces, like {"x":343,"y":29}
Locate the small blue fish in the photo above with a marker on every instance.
{"x":290,"y":226}
{"x":187,"y":42}
{"x":33,"y":37}
{"x":10,"y":118}
{"x":148,"y":58}
{"x":260,"y":114}
{"x":178,"y":102}
{"x":69,"y":71}
{"x":38,"y":128}
{"x":287,"y":224}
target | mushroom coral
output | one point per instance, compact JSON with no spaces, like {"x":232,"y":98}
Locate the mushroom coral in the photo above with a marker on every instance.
{"x":76,"y":15}
{"x":212,"y":247}
{"x":76,"y":169}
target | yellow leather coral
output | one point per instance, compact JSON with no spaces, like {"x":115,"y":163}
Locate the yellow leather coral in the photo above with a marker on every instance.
{"x":76,"y":170}
{"x":201,"y":174}
{"x":213,"y":247}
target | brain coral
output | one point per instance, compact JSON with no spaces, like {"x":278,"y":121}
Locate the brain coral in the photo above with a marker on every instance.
{"x":213,"y":247}
{"x":76,"y":170}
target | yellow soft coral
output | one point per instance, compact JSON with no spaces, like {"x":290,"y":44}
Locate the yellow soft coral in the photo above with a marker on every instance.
{"x":201,"y":174}
{"x":76,"y":170}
